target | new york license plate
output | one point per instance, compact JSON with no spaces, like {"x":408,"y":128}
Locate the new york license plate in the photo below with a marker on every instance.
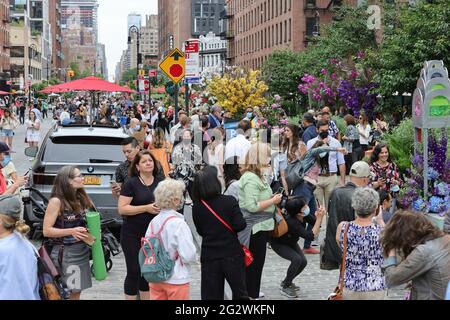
{"x":92,"y":180}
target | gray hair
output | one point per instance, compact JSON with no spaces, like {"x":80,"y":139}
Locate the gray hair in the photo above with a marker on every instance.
{"x":166,"y":191}
{"x":365,"y":201}
{"x":215,"y":108}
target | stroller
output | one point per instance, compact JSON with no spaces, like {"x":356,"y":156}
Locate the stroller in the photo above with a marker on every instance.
{"x":110,"y":245}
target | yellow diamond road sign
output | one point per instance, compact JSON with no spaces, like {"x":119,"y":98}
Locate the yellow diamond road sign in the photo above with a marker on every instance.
{"x":173,"y":65}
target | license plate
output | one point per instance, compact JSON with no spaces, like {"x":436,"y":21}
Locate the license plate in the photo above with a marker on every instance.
{"x":92,"y":180}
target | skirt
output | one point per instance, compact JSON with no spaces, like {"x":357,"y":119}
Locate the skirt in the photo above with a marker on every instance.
{"x":75,"y":269}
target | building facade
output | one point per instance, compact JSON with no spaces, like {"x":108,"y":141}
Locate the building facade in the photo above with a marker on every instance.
{"x":57,"y":57}
{"x":213,"y":51}
{"x":4,"y":45}
{"x":259,"y":27}
{"x":149,"y":37}
{"x":174,"y":24}
{"x":206,"y":16}
{"x":80,"y":34}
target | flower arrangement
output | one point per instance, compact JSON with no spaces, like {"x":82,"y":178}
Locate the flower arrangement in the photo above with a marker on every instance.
{"x":342,"y":82}
{"x":412,"y":194}
{"x":272,"y":115}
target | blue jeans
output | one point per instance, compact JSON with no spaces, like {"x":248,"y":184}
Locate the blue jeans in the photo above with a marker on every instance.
{"x":306,"y":190}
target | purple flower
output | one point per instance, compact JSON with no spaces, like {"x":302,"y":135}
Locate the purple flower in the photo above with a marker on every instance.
{"x":303,"y":88}
{"x":420,"y":205}
{"x":284,"y":122}
{"x":323,"y":71}
{"x":334,"y":76}
{"x":354,"y":74}
{"x":442,"y":189}
{"x":277,"y":97}
{"x":334,"y":61}
{"x":437,"y":204}
{"x":361,"y":55}
{"x":275,"y":106}
{"x":432,"y":174}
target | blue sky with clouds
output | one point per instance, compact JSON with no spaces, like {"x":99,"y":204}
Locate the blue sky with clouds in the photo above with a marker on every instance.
{"x":112,"y":25}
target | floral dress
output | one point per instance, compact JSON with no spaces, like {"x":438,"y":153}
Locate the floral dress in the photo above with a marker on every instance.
{"x":363,"y":259}
{"x":390,"y":172}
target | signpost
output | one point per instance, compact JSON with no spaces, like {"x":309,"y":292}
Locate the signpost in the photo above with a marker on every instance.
{"x":173,"y":65}
{"x":191,"y":50}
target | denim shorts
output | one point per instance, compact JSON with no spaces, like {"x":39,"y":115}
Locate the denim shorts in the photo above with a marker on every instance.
{"x":7,"y":133}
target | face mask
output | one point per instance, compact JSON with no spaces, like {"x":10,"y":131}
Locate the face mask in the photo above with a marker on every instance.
{"x":306,"y":212}
{"x":323,"y":134}
{"x":249,"y":115}
{"x":186,"y":141}
{"x":268,"y":177}
{"x":323,"y":154}
{"x":6,"y":160}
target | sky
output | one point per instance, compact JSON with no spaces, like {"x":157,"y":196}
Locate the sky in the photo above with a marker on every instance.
{"x":112,"y":25}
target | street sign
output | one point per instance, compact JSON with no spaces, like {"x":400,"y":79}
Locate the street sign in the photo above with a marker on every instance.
{"x":173,"y":65}
{"x":141,"y":85}
{"x":191,"y":49}
{"x":152,"y":73}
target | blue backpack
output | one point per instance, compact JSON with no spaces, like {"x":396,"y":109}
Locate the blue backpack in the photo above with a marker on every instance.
{"x":154,"y":261}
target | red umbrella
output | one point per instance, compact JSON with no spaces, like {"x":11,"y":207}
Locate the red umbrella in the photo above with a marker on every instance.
{"x":87,"y":84}
{"x":4,"y":93}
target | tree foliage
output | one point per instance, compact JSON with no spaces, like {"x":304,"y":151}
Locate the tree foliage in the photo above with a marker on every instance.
{"x":421,"y":33}
{"x":238,"y":90}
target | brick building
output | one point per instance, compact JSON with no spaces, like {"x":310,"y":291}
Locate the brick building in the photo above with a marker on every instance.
{"x":57,"y":58}
{"x":4,"y":44}
{"x":256,"y":28}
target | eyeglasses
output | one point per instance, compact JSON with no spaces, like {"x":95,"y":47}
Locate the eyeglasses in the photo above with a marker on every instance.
{"x":78,"y":176}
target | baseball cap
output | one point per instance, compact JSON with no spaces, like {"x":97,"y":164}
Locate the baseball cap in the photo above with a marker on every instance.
{"x":4,"y":147}
{"x":308,"y":117}
{"x":11,"y":205}
{"x":360,"y":169}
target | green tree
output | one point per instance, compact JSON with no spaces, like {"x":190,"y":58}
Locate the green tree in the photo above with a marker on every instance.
{"x":75,"y":66}
{"x":421,"y":33}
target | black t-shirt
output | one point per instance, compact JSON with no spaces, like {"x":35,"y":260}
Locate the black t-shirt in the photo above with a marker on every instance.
{"x":142,"y":195}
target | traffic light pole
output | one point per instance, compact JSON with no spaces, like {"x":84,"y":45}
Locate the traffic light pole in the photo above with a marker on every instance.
{"x":186,"y":99}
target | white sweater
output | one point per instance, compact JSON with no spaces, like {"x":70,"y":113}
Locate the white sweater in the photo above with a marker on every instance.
{"x":177,"y":240}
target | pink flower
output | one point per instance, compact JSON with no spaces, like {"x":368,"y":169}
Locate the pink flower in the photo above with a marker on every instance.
{"x":275,"y":106}
{"x":284,"y":122}
{"x":323,"y":71}
{"x":354,"y":74}
{"x":334,"y":76}
{"x":277,"y":97}
{"x":317,"y":96}
{"x":321,"y":85}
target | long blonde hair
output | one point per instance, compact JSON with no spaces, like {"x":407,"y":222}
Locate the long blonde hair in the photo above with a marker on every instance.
{"x":257,"y":158}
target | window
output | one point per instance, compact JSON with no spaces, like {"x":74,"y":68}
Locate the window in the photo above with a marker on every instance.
{"x":276,"y":34}
{"x":311,"y":26}
{"x":17,"y":52}
{"x":285,"y":31}
{"x":290,"y":31}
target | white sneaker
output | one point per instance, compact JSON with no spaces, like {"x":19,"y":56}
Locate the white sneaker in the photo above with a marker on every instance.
{"x":261,"y":295}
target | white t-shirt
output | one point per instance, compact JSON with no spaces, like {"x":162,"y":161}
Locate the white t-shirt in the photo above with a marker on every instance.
{"x":366,"y":130}
{"x":238,"y":146}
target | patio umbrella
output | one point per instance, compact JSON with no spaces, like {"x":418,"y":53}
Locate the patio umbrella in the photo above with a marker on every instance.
{"x":87,"y":84}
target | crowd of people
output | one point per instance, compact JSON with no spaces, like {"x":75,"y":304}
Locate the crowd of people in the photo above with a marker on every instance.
{"x":242,"y":185}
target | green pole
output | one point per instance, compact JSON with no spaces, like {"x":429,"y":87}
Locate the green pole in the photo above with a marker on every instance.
{"x":186,"y":99}
{"x":176,"y":103}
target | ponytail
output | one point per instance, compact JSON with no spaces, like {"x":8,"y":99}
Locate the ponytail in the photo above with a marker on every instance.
{"x":11,"y":224}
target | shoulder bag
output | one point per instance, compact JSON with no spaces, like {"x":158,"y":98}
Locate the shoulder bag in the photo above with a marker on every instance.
{"x":281,"y":227}
{"x":248,"y":257}
{"x":339,"y":290}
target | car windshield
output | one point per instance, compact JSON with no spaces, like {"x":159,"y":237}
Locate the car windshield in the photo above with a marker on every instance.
{"x":84,"y":150}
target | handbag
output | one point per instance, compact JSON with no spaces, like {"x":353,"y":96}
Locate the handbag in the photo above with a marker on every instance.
{"x":339,"y":290}
{"x":294,"y":174}
{"x":248,"y":256}
{"x":281,"y":227}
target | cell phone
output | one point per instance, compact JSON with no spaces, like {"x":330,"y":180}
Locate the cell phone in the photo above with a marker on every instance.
{"x":280,"y":190}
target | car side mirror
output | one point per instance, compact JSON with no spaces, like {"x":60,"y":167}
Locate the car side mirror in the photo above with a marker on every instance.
{"x":31,"y":151}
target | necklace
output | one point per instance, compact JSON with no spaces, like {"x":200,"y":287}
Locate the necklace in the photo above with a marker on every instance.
{"x":143,"y":182}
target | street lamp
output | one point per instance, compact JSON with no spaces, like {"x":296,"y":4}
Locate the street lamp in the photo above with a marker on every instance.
{"x":30,"y":75}
{"x":134,"y":29}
